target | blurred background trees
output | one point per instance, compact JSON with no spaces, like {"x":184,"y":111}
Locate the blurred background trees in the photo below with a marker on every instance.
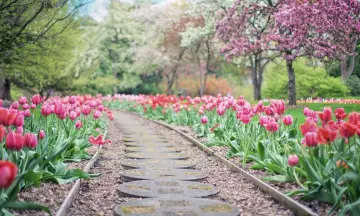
{"x":189,"y":47}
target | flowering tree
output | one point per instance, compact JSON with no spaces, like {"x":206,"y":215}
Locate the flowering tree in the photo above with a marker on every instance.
{"x":322,"y":28}
{"x":244,"y":29}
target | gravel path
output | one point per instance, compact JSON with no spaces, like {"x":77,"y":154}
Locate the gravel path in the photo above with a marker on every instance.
{"x":99,"y":196}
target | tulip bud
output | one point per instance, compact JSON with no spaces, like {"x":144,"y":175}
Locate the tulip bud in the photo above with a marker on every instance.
{"x":204,"y":120}
{"x":27,"y":113}
{"x":72,"y":100}
{"x":19,"y":130}
{"x":14,"y":141}
{"x":288,"y":120}
{"x":22,"y":100}
{"x":31,"y":140}
{"x":8,"y":172}
{"x":19,"y":121}
{"x":311,"y":139}
{"x":41,"y":134}
{"x":73,"y":115}
{"x":9,"y":119}
{"x":293,"y":160}
{"x":32,"y":106}
{"x":97,"y":114}
{"x":25,"y":106}
{"x":78,"y":124}
{"x":2,"y":132}
{"x":15,"y":105}
{"x":36,"y":99}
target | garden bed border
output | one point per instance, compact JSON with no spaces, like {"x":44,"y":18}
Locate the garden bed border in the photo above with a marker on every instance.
{"x":72,"y":195}
{"x":290,"y":203}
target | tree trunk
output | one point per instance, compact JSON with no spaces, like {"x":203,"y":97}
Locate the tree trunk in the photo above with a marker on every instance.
{"x":292,"y":83}
{"x":256,"y":76}
{"x":172,"y":75}
{"x":347,"y":70}
{"x":5,"y":86}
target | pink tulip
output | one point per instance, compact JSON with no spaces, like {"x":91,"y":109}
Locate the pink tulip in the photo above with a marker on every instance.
{"x":19,"y":130}
{"x":73,"y":115}
{"x":97,"y":114}
{"x":72,"y":100}
{"x":311,"y":139}
{"x":41,"y":134}
{"x":36,"y":99}
{"x":27,"y":113}
{"x":293,"y":160}
{"x":15,"y":105}
{"x":31,"y":140}
{"x":204,"y":120}
{"x":288,"y":120}
{"x":2,"y":132}
{"x":32,"y":106}
{"x":19,"y":121}
{"x":86,"y":110}
{"x":272,"y":126}
{"x":14,"y":141}
{"x":263,"y":120}
{"x":78,"y":124}
{"x":1,"y":103}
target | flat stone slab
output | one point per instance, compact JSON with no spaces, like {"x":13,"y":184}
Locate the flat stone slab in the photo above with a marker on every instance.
{"x":176,"y":207}
{"x":148,"y":144}
{"x":158,"y":163}
{"x":155,"y":155}
{"x":167,"y":188}
{"x":163,"y":174}
{"x":152,"y":149}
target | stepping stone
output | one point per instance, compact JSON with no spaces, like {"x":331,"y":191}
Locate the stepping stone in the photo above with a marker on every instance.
{"x":148,"y":144}
{"x":167,"y":188}
{"x":163,"y":174}
{"x":143,"y":140}
{"x":155,"y":155}
{"x":176,"y":207}
{"x":158,"y":163}
{"x":152,"y":149}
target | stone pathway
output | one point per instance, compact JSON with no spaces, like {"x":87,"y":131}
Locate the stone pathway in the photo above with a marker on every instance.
{"x":159,"y":172}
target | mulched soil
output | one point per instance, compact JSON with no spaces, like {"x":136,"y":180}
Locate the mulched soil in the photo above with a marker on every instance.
{"x":234,"y":188}
{"x":318,"y":207}
{"x":49,"y":194}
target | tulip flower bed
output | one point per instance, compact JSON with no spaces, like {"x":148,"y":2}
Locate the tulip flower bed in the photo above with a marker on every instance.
{"x":320,"y":155}
{"x":38,"y":139}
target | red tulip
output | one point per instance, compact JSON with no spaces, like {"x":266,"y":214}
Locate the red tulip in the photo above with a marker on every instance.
{"x":14,"y":141}
{"x":36,"y":99}
{"x":41,"y":134}
{"x":354,"y":118}
{"x":311,"y":139}
{"x":263,"y":120}
{"x":1,"y":103}
{"x":308,"y":126}
{"x":19,"y":121}
{"x":27,"y":113}
{"x":245,"y":119}
{"x":326,"y":115}
{"x":340,"y":114}
{"x":86,"y":110}
{"x":326,"y":135}
{"x":348,"y":130}
{"x":8,"y":172}
{"x":9,"y":119}
{"x":3,"y":114}
{"x":204,"y":120}
{"x":293,"y":160}
{"x":288,"y":120}
{"x":31,"y":140}
{"x":2,"y":132}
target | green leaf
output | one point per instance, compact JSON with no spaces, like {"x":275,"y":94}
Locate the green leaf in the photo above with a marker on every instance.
{"x":32,"y":178}
{"x":26,"y":206}
{"x":261,"y":150}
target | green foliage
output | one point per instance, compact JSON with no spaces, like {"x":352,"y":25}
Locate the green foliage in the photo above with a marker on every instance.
{"x":353,"y":84}
{"x":310,"y":82}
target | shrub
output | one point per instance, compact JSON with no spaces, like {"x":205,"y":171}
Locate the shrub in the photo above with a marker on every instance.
{"x":310,"y":82}
{"x":353,"y":83}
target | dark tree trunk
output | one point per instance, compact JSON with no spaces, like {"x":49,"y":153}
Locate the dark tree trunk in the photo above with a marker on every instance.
{"x":348,"y":69}
{"x":5,"y":86}
{"x":292,"y":83}
{"x":256,"y":76}
{"x":172,"y":75}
